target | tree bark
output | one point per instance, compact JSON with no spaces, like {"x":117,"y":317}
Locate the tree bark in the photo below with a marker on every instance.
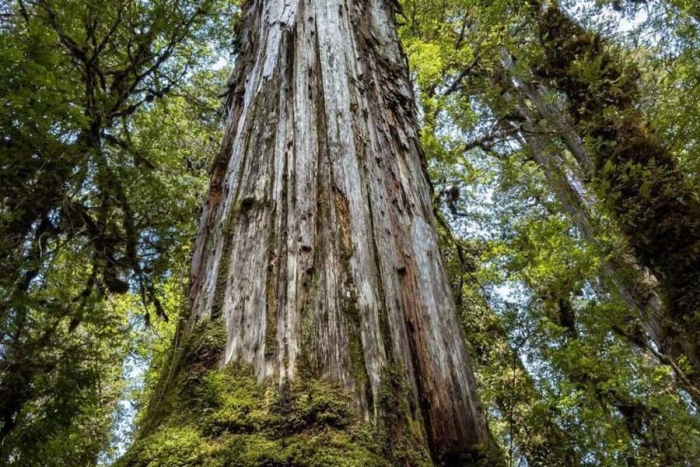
{"x":317,"y":244}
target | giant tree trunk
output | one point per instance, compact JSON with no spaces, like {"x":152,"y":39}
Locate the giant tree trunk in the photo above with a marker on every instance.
{"x":318,"y":247}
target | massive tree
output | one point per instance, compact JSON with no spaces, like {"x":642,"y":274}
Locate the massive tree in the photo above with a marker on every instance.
{"x":318,"y":251}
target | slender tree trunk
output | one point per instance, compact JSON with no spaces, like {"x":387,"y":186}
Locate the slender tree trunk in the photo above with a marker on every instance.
{"x":637,"y":287}
{"x":633,"y":173}
{"x":318,"y":246}
{"x":634,"y":285}
{"x":560,"y":123}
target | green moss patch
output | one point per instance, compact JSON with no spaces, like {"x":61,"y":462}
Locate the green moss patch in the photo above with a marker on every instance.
{"x":204,"y":415}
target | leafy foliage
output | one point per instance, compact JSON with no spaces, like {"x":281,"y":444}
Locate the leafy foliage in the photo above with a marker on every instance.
{"x":111,"y":119}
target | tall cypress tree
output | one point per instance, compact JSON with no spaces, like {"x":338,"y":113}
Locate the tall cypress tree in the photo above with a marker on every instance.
{"x":317,"y":263}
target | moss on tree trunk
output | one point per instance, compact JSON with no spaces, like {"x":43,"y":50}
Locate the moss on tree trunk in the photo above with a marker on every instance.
{"x":633,"y":172}
{"x":318,"y":258}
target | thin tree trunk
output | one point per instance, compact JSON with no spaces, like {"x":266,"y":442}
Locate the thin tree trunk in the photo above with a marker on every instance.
{"x":634,"y":285}
{"x":561,"y":124}
{"x":637,"y":287}
{"x":634,"y":174}
{"x":318,"y":246}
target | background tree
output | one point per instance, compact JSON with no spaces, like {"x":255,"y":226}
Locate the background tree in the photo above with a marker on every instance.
{"x":652,"y":201}
{"x":98,"y":187}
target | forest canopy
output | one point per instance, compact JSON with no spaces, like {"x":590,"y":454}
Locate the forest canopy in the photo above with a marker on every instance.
{"x":553,"y":150}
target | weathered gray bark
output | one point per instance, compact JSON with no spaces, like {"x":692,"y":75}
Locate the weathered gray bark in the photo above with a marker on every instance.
{"x":561,"y":124}
{"x":317,"y":242}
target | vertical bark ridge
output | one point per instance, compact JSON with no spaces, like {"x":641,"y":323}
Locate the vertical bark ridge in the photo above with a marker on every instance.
{"x":320,"y":225}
